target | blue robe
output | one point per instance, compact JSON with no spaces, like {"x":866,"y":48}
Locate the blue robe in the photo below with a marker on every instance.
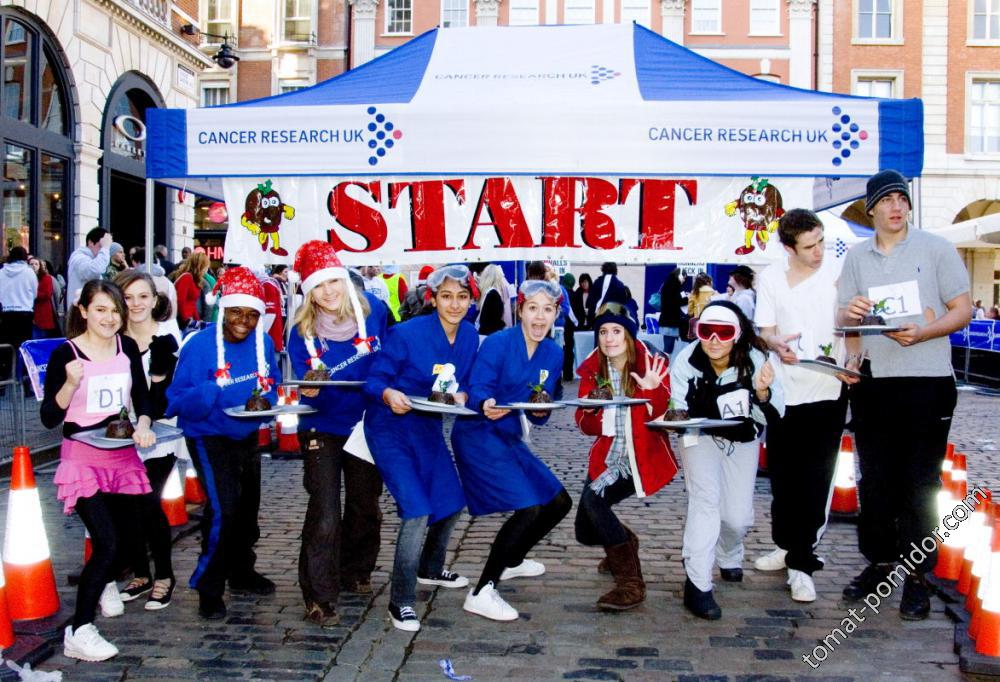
{"x":409,"y":450}
{"x":499,"y":472}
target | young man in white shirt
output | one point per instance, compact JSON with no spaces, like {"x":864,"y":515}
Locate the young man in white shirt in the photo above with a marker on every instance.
{"x":796,"y":310}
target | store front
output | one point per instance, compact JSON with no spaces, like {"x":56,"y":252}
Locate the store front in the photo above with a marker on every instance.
{"x":35,"y":124}
{"x":123,"y":164}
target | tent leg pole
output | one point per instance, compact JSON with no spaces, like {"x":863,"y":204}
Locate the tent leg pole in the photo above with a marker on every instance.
{"x":918,"y":213}
{"x":150,"y":218}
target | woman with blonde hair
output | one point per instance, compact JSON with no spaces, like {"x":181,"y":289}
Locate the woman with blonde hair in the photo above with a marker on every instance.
{"x":493,"y":304}
{"x":337,"y":330}
{"x":188,"y":278}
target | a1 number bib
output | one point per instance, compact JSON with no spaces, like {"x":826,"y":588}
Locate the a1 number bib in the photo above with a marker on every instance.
{"x":107,"y":393}
{"x":734,"y":404}
{"x":901,"y":299}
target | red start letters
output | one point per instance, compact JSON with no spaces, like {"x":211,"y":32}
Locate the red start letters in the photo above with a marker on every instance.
{"x":568,"y":222}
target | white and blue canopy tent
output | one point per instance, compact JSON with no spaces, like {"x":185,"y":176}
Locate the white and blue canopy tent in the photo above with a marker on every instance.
{"x":587,"y":143}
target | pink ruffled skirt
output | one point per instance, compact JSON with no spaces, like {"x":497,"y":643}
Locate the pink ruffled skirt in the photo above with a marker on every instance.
{"x":85,"y":470}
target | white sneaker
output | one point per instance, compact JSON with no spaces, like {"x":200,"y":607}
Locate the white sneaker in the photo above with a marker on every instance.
{"x":111,"y":601}
{"x":803,"y":588}
{"x":87,"y":644}
{"x":489,"y":604}
{"x":528,"y":568}
{"x":772,"y":561}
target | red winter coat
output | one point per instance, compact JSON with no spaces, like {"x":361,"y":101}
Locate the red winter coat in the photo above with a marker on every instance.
{"x":653,"y":464}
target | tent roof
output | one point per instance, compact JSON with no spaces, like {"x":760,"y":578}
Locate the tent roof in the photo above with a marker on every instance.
{"x":603,"y":99}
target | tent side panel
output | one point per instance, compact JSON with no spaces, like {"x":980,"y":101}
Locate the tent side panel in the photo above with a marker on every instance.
{"x":901,"y":136}
{"x":167,"y":144}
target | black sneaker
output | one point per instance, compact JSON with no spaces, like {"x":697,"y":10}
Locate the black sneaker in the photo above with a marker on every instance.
{"x":865,"y":582}
{"x":211,"y":608}
{"x":731,"y":575}
{"x":159,"y":598}
{"x":404,"y":618}
{"x":916,"y":601}
{"x":254,"y":583}
{"x":701,"y":604}
{"x":445,"y":579}
{"x":136,"y":588}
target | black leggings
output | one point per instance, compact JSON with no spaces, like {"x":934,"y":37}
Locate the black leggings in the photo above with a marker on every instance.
{"x":152,"y":526}
{"x":103,"y":514}
{"x":522,"y":531}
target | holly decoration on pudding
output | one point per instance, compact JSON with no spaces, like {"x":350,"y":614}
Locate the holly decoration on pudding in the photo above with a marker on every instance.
{"x":257,"y":402}
{"x":602,"y":391}
{"x":874,"y":318}
{"x":318,"y":373}
{"x":539,"y":394}
{"x":442,"y":396}
{"x":121,"y":427}
{"x":675,"y":415}
{"x":826,"y":349}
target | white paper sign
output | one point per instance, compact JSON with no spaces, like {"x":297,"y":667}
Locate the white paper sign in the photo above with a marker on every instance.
{"x":107,"y":393}
{"x":901,"y":299}
{"x":734,"y":404}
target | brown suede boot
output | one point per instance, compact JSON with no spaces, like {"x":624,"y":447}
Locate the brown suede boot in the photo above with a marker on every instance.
{"x":629,"y":590}
{"x":633,"y":540}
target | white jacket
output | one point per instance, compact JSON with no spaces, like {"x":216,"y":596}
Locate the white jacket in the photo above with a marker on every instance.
{"x":18,"y":287}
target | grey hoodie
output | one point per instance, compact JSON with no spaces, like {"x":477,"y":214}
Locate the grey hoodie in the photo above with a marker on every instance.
{"x":18,"y":287}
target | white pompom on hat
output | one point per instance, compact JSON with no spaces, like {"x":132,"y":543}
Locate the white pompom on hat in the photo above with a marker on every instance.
{"x":239,"y":288}
{"x":316,"y":262}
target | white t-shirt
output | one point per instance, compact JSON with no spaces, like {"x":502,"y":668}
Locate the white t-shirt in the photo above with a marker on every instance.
{"x":810,"y":309}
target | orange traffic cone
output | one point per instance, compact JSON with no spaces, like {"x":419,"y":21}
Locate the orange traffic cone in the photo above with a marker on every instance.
{"x":264,"y":436}
{"x":6,"y":626}
{"x":986,"y":622}
{"x":193,"y":492}
{"x":978,"y":529}
{"x":762,"y":457}
{"x":980,"y":565}
{"x":949,"y":560}
{"x":845,"y":486}
{"x":88,"y":546}
{"x":288,"y":433}
{"x":172,"y":500}
{"x":27,"y":562}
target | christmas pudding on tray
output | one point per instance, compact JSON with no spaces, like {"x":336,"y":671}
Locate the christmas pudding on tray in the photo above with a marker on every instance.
{"x":120,"y":428}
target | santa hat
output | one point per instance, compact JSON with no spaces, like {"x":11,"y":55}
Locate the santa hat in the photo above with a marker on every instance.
{"x":316,"y":262}
{"x":239,"y":288}
{"x":424,"y":273}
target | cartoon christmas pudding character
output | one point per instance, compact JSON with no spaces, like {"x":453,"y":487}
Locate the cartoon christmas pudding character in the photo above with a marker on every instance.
{"x":262,"y":216}
{"x":760,"y":207}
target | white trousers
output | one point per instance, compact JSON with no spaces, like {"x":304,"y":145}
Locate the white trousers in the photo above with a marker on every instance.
{"x":720,"y":505}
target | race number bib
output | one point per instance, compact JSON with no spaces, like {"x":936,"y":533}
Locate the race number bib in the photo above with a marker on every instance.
{"x":803,"y":346}
{"x":734,"y":404}
{"x":107,"y":393}
{"x":901,"y":299}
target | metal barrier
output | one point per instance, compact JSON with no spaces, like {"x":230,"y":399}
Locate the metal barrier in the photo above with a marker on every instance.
{"x":20,"y":423}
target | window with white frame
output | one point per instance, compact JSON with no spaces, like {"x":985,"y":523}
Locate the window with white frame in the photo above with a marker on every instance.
{"x":399,"y":16}
{"x":637,"y":11}
{"x":579,"y":12}
{"x":765,"y":17}
{"x":876,"y":86}
{"x":706,"y":16}
{"x":214,"y":94}
{"x":298,"y":21}
{"x":454,"y":13}
{"x":291,"y":86}
{"x":523,"y":13}
{"x":983,"y":136}
{"x":220,"y":18}
{"x":985,"y":20}
{"x":876,"y":19}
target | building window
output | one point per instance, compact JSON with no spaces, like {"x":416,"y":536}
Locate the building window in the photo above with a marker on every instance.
{"x":765,"y":18}
{"x":706,"y":16}
{"x":984,"y":116}
{"x":214,"y":94}
{"x":578,"y":12}
{"x":637,"y":11}
{"x":523,"y":13}
{"x":291,"y":86}
{"x":986,"y":20}
{"x":454,"y":13}
{"x":35,"y":125}
{"x":876,"y":86}
{"x":876,"y":20}
{"x":399,"y":16}
{"x":298,"y":20}
{"x":220,"y":18}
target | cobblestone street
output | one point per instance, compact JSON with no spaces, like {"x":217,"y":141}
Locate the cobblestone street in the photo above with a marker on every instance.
{"x":560,"y":635}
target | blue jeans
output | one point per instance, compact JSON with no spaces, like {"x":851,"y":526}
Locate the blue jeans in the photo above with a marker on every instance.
{"x":409,"y":555}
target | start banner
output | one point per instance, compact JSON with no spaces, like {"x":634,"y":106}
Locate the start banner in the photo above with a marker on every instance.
{"x":416,"y":220}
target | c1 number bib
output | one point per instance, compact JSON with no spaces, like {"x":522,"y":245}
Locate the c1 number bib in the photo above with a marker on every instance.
{"x":901,"y":299}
